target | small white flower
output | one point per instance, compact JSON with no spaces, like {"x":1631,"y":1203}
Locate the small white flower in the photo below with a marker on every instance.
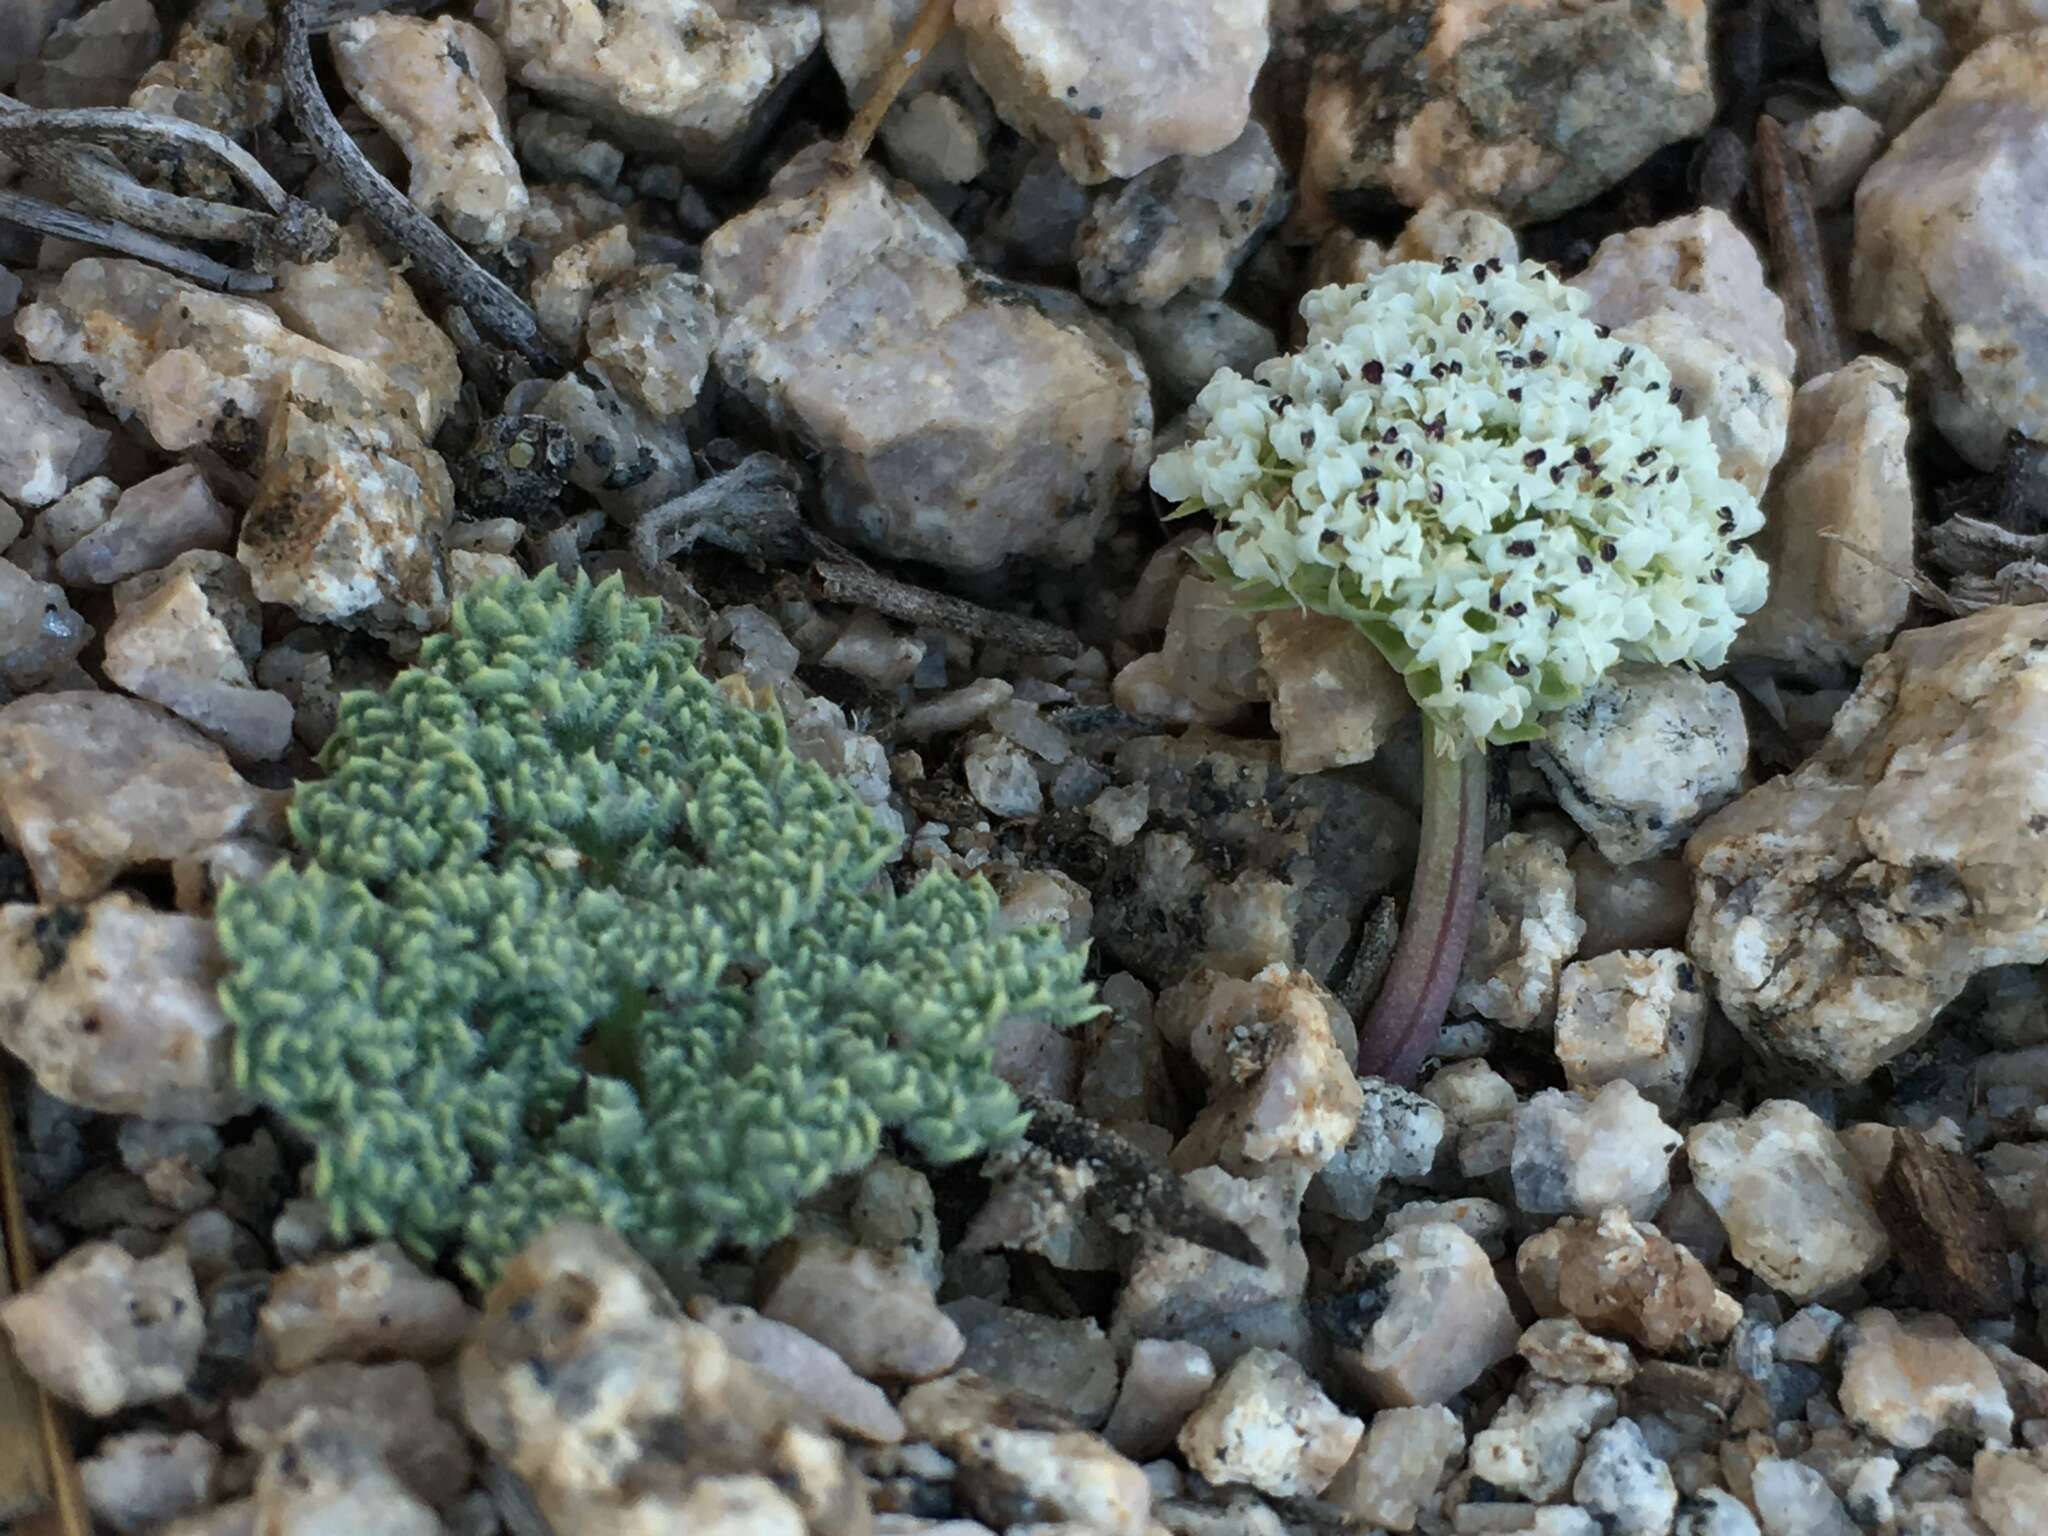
{"x":1514,"y":493}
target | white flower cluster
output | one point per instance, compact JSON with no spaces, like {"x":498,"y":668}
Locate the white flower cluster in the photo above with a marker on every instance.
{"x":1502,"y":496}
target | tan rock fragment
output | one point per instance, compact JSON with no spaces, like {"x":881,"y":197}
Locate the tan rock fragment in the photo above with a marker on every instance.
{"x":1442,"y":1318}
{"x":687,"y":78}
{"x":1529,"y":109}
{"x":192,"y":365}
{"x":347,"y":521}
{"x":1838,"y":523}
{"x":1335,"y":699}
{"x":1618,"y":1275}
{"x":92,"y":785}
{"x":356,"y":303}
{"x":1948,"y":224}
{"x":438,"y":88}
{"x":1840,"y":907}
{"x":1118,"y":89}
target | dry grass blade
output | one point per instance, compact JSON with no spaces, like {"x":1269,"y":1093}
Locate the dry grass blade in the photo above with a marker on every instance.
{"x":37,"y":1475}
{"x":925,"y":34}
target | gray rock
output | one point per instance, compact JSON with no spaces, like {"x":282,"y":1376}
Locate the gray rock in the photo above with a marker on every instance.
{"x":1584,"y":1152}
{"x":23,"y":27}
{"x":188,"y":365}
{"x":104,"y":1331}
{"x":1268,"y":1424}
{"x":438,"y":89}
{"x":94,"y":59}
{"x":999,"y":775}
{"x":347,"y":520}
{"x":93,"y":785}
{"x":1798,"y":1215}
{"x":1181,"y":226}
{"x":1531,"y":1448}
{"x":1163,"y":1382}
{"x":1022,"y":1462}
{"x":1644,"y":757}
{"x":40,"y":632}
{"x":1431,"y":1317}
{"x":1278,"y":1051}
{"x":1908,"y":1379}
{"x":1637,"y":1016}
{"x":1068,"y":1362}
{"x":46,"y":444}
{"x":1397,"y":1137}
{"x":1716,"y":1512}
{"x":1624,"y":1485}
{"x":1188,"y":338}
{"x":978,"y":422}
{"x":688,"y":79}
{"x":392,"y":1407}
{"x":1240,"y":865}
{"x":1887,"y":56}
{"x":621,"y":1414}
{"x":1176,"y":1290}
{"x":229,"y":595}
{"x":1525,"y":928}
{"x":806,"y":1367}
{"x":173,"y":1158}
{"x":1400,"y":1466}
{"x":154,"y":521}
{"x":1838,"y":525}
{"x":1694,"y":291}
{"x":1792,"y":1499}
{"x":114,"y":1007}
{"x":652,"y":332}
{"x":140,"y":1481}
{"x":76,"y":513}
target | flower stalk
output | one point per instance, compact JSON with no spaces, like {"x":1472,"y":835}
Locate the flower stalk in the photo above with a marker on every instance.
{"x":1406,"y":1022}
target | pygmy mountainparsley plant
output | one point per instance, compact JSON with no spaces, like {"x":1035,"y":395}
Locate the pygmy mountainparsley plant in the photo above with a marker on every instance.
{"x":575,"y":935}
{"x":1502,"y":496}
{"x":1506,"y":500}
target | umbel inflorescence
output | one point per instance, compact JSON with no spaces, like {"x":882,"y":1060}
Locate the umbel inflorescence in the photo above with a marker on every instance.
{"x":575,"y":935}
{"x":1505,"y":498}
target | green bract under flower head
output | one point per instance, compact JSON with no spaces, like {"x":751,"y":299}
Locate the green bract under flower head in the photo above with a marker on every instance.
{"x":1503,"y":497}
{"x":577,"y":936}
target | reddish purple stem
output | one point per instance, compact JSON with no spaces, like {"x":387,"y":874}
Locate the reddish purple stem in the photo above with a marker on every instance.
{"x":1406,"y":1023}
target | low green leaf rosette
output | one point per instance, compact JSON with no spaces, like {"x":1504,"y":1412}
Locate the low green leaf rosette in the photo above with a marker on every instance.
{"x":575,"y":935}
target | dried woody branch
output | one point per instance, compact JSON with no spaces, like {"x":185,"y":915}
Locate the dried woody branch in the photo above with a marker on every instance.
{"x":79,"y":150}
{"x":496,"y":309}
{"x":1796,"y":252}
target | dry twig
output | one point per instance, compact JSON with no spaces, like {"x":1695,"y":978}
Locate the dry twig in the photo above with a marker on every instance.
{"x":846,"y":582}
{"x":1796,"y":252}
{"x":496,"y":309}
{"x":76,"y":149}
{"x":925,"y":34}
